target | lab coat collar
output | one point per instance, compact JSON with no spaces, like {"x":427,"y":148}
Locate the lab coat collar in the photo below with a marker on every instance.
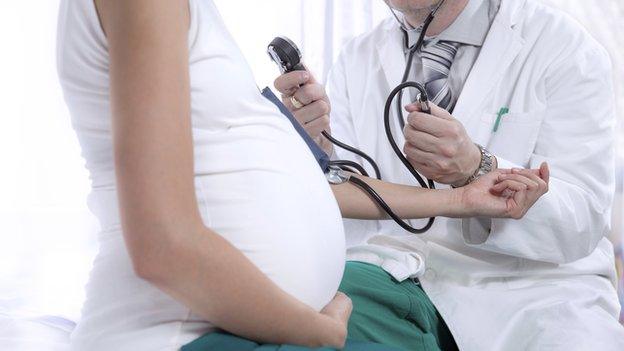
{"x":390,"y":52}
{"x":501,"y":47}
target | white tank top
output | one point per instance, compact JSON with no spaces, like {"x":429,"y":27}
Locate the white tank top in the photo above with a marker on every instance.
{"x":256,"y":182}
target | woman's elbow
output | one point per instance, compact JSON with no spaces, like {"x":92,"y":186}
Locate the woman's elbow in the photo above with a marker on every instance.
{"x":150,"y":253}
{"x":145,"y":270}
{"x":147,"y":267}
{"x":156,"y":242}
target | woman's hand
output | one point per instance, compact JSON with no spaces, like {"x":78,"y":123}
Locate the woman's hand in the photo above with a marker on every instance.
{"x":505,"y":193}
{"x":337,"y":314}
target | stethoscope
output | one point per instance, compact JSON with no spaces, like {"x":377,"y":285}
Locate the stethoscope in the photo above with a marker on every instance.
{"x":288,"y":57}
{"x":412,"y":51}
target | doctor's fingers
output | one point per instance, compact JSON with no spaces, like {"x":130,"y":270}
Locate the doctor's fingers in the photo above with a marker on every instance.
{"x":288,"y":83}
{"x":430,"y":164}
{"x":306,"y":95}
{"x":420,"y":140}
{"x":425,"y":170}
{"x":310,"y":93}
{"x":316,"y":127}
{"x":439,"y":112}
{"x":436,"y":111}
{"x":311,"y":112}
{"x":429,"y":124}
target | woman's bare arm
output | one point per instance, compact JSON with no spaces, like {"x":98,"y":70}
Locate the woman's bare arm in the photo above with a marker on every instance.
{"x":167,"y":241}
{"x":493,"y":195}
{"x":407,"y":202}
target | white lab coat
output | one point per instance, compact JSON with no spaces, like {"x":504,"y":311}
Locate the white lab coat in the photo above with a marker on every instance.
{"x":545,"y":282}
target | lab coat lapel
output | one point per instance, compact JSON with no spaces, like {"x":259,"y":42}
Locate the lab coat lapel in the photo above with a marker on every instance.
{"x":501,"y":47}
{"x":391,"y":55}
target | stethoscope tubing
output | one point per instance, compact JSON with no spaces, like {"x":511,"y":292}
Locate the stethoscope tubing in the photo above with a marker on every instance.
{"x":423,"y":98}
{"x":354,"y":167}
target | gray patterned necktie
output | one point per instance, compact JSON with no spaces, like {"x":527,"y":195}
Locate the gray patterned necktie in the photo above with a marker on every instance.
{"x":437,"y":60}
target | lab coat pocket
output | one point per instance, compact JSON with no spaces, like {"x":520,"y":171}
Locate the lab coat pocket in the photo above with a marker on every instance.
{"x":513,"y":138}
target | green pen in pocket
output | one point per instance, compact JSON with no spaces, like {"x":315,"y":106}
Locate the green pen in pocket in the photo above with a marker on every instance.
{"x":503,"y":111}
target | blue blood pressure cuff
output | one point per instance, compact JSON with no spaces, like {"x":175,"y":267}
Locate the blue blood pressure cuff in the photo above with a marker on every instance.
{"x":319,"y":154}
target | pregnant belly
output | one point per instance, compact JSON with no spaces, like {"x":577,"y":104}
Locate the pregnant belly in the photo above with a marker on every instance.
{"x":260,"y":187}
{"x":287,"y":225}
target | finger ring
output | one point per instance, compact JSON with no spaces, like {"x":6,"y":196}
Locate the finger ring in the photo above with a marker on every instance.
{"x":296,"y":102}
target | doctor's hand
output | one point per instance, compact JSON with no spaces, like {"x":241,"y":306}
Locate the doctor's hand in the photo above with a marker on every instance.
{"x":308,"y":102}
{"x":505,"y":193}
{"x":438,"y":146}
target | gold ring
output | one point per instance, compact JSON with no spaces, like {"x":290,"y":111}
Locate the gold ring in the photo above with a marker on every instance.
{"x":296,"y":102}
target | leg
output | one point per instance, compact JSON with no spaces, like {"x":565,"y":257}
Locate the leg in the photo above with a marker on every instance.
{"x":392,"y":313}
{"x":228,"y":342}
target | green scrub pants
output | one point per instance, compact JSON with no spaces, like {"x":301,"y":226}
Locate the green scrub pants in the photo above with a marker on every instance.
{"x":393,"y":313}
{"x":385,"y":312}
{"x":227,"y":342}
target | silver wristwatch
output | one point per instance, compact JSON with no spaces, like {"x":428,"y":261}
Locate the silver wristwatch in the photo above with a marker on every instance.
{"x":485,"y":167}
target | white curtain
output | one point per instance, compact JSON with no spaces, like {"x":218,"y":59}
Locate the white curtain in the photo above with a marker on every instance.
{"x":46,"y":233}
{"x":318,"y":27}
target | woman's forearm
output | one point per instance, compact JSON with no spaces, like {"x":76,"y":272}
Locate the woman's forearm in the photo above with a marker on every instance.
{"x":408,"y":202}
{"x":206,"y":273}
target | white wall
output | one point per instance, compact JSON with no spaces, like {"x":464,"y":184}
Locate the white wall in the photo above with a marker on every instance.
{"x":46,"y":231}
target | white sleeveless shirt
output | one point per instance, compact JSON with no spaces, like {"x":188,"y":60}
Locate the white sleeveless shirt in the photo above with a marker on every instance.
{"x":256,"y":183}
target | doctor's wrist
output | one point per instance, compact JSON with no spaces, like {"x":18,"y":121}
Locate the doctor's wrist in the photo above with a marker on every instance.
{"x":474,"y":162}
{"x":485,"y":163}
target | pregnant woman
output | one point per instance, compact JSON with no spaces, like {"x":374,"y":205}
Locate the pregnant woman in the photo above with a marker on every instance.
{"x":214,"y":213}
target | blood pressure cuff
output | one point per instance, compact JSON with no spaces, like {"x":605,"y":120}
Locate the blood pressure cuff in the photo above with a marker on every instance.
{"x":319,"y":154}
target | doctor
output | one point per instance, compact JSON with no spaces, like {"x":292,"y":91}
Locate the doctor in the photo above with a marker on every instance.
{"x":518,"y":83}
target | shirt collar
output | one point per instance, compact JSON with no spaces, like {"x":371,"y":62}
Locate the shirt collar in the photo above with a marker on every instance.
{"x":470,"y":27}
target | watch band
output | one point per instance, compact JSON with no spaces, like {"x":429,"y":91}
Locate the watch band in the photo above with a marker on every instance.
{"x":486,"y":165}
